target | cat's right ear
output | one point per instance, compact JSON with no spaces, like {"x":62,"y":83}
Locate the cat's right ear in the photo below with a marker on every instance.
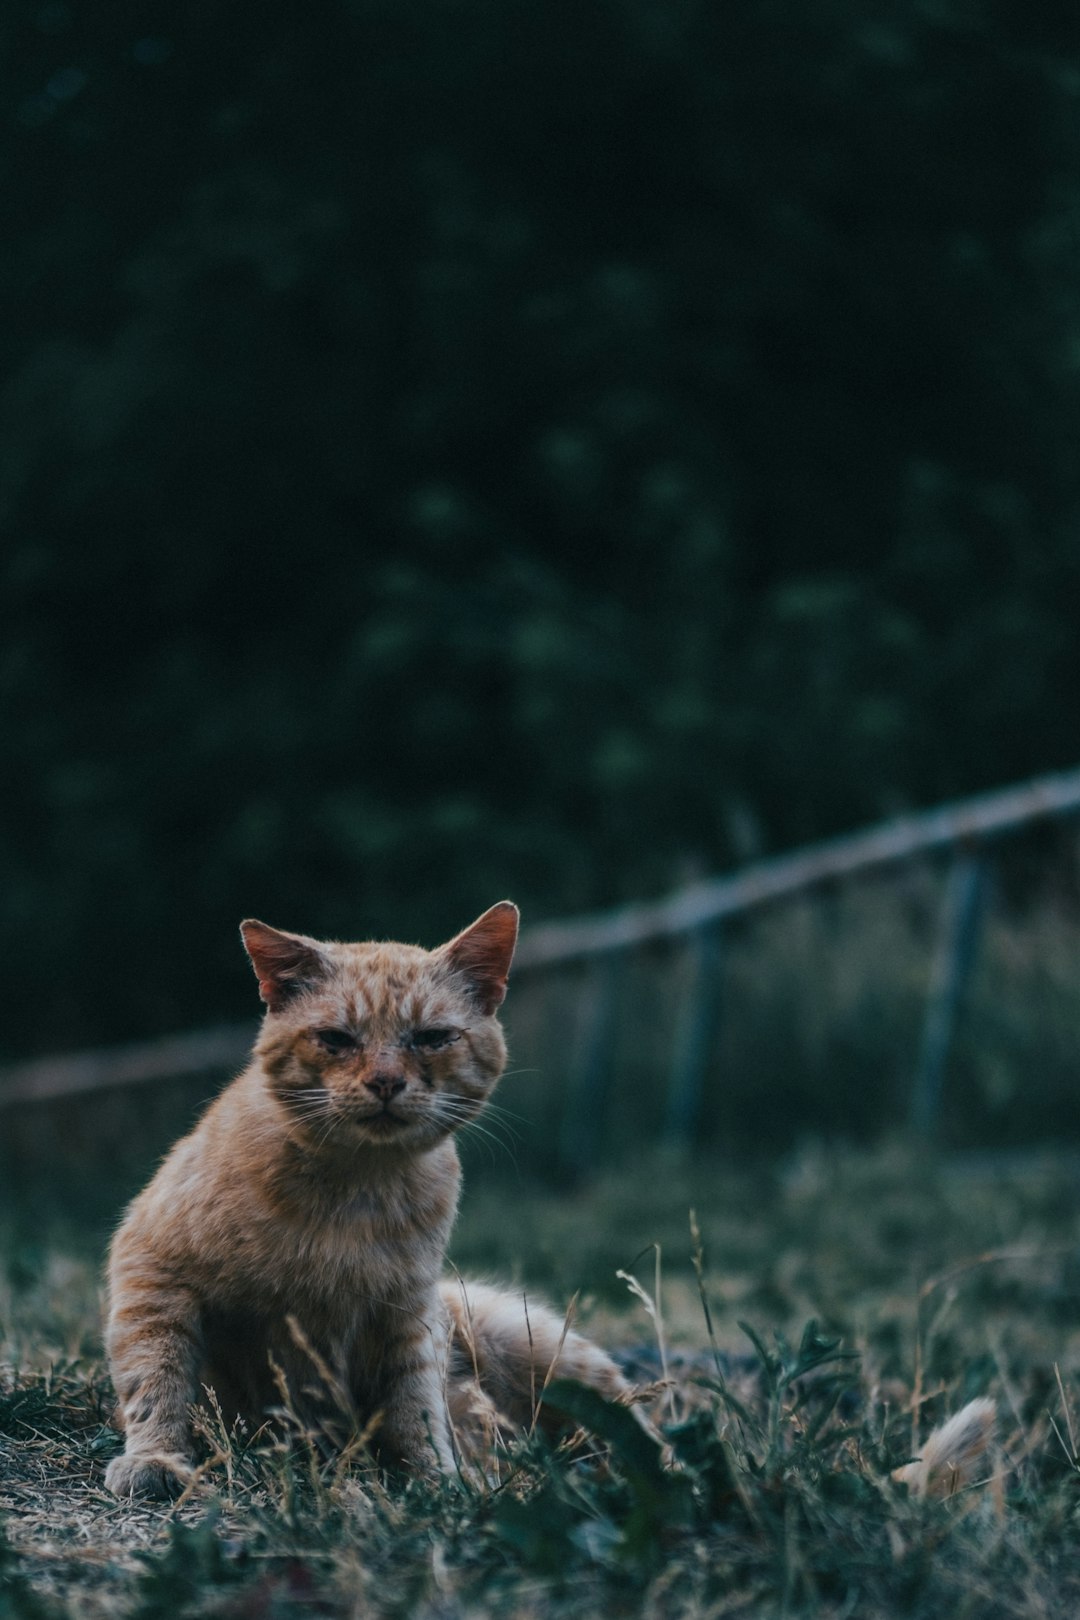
{"x":483,"y":952}
{"x":283,"y":963}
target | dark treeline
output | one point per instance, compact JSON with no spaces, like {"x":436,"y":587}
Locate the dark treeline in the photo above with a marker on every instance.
{"x":459,"y":447}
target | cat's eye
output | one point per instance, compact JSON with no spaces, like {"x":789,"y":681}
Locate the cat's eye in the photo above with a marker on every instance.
{"x":432,"y":1039}
{"x":336,"y":1040}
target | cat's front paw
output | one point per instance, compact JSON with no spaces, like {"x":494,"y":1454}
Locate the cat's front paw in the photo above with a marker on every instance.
{"x":159,"y":1475}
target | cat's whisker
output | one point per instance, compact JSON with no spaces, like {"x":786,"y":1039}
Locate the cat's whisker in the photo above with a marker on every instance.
{"x":467,"y":1111}
{"x":490,"y":1143}
{"x":310,"y":1122}
{"x":510,"y":1073}
{"x":332,"y":1124}
{"x":303,"y":1103}
{"x":312,"y":1116}
{"x":466,"y":1120}
{"x":500,"y":1127}
{"x":504,"y":1115}
{"x":310,"y":1105}
{"x":488,"y":1111}
{"x":454,"y":1108}
{"x":462,"y":1116}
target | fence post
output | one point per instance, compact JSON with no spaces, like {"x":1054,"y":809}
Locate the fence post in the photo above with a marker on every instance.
{"x":590,"y":1067}
{"x":695,"y":1031}
{"x":952,"y":963}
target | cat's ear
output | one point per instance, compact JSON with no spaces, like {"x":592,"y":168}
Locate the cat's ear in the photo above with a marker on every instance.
{"x":283,"y":963}
{"x":482,"y":954}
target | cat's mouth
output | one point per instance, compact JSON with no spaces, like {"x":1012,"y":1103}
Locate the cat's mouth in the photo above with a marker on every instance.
{"x":385,"y":1121}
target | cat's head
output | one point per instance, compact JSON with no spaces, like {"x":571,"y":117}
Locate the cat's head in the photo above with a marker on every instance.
{"x":382,"y":1044}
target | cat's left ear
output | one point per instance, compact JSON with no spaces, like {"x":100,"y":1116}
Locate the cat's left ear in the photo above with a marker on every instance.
{"x":482,"y":953}
{"x":284,"y":963}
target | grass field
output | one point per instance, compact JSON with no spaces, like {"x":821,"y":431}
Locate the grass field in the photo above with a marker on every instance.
{"x":941,"y":1281}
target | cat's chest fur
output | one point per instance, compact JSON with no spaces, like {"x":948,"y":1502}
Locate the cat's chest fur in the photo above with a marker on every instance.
{"x":368,"y":1255}
{"x":335,"y":1252}
{"x":342,"y":1277}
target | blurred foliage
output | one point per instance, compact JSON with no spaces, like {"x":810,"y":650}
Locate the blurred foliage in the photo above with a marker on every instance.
{"x":456,"y":448}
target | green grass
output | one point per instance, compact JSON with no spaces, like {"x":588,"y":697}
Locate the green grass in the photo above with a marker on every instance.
{"x":928,"y":1284}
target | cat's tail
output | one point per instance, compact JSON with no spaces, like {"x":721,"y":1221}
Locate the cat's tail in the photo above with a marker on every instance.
{"x":505,"y":1349}
{"x":954,"y":1454}
{"x":512,"y":1347}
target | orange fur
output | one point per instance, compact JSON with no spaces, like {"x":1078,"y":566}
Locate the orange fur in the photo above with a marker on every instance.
{"x":954,"y":1454}
{"x":303,"y":1223}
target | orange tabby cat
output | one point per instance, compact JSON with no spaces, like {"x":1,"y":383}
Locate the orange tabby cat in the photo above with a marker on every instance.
{"x":302,"y":1225}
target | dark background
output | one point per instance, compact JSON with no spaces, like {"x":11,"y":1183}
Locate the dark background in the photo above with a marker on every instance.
{"x":456,"y":448}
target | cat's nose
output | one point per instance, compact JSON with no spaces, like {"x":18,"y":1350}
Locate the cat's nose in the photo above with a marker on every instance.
{"x":385,"y":1083}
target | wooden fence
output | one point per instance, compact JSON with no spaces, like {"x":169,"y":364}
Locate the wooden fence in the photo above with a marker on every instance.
{"x":694,"y":915}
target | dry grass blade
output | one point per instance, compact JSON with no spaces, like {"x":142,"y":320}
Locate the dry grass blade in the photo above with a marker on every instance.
{"x":568,"y":1322}
{"x":653,"y":1307}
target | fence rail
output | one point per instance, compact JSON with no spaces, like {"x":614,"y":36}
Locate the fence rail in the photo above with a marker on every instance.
{"x":695,"y":913}
{"x":966,"y":822}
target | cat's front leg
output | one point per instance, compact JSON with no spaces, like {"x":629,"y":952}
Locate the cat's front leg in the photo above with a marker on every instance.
{"x":414,"y":1431}
{"x":154,"y":1349}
